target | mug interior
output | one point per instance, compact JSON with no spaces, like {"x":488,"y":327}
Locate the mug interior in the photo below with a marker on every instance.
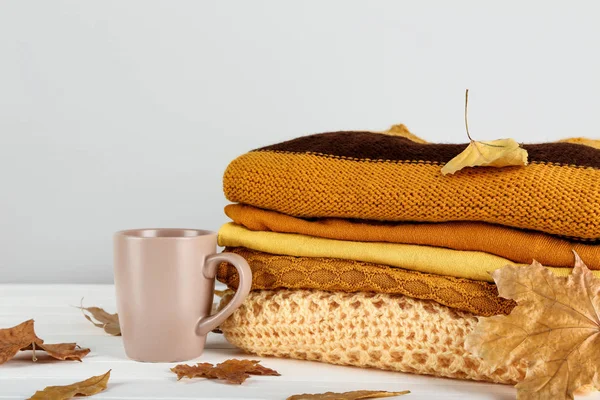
{"x":166,"y":233}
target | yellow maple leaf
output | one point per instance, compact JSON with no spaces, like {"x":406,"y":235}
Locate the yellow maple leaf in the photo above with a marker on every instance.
{"x":555,"y":328}
{"x":496,"y":153}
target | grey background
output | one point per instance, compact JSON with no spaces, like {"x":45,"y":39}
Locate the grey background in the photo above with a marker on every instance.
{"x":122,"y":114}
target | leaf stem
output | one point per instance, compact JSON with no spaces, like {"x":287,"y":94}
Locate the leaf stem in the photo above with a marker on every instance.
{"x":466,"y":119}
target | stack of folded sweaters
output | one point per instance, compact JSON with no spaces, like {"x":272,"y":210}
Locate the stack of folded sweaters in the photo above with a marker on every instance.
{"x":364,"y":254}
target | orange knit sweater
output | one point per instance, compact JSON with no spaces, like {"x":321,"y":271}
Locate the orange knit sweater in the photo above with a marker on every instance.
{"x":371,"y":176}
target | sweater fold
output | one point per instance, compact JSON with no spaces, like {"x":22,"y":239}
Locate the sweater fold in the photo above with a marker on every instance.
{"x":273,"y":271}
{"x":516,"y":245}
{"x":434,"y":260}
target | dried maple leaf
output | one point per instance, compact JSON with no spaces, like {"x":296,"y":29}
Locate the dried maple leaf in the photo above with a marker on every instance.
{"x":89,"y":387}
{"x":12,"y":340}
{"x":109,"y":322}
{"x":252,"y":367}
{"x":555,"y":328}
{"x":355,"y":395}
{"x":200,"y":370}
{"x":209,"y":371}
{"x":233,"y":371}
{"x":234,"y":377}
{"x":22,"y":337}
{"x":237,"y":371}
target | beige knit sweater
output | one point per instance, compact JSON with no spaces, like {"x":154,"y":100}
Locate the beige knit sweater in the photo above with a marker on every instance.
{"x":390,"y":332}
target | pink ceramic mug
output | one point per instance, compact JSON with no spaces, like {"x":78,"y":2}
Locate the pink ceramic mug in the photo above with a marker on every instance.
{"x":165,"y":283}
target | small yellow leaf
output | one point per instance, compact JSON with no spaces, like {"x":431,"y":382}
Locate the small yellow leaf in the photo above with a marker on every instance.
{"x":89,"y":387}
{"x":595,"y":143}
{"x":355,"y":395}
{"x":402,"y":131}
{"x":496,"y":153}
{"x":555,"y":328}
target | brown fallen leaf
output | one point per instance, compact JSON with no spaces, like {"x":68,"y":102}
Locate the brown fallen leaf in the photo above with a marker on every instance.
{"x":237,"y":371}
{"x":22,"y":337}
{"x":12,"y":340}
{"x":496,"y":153}
{"x":355,"y":395}
{"x":109,"y":322}
{"x":555,"y":327}
{"x":232,"y":371}
{"x":234,"y":377}
{"x":61,"y":351}
{"x":200,"y":370}
{"x":89,"y":387}
{"x":252,"y":367}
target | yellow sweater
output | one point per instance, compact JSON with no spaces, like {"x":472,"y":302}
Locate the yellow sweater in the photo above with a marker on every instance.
{"x":435,"y":260}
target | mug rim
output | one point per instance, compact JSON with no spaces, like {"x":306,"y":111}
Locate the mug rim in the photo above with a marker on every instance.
{"x":171,"y":233}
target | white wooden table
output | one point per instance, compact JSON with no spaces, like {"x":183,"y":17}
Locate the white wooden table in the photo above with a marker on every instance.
{"x":57,"y":321}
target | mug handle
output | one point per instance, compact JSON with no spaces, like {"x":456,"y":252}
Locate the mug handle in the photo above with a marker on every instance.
{"x":208,"y":323}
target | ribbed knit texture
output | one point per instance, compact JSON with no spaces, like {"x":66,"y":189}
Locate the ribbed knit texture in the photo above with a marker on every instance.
{"x":271,"y":271}
{"x":365,"y":330}
{"x":380,"y":177}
